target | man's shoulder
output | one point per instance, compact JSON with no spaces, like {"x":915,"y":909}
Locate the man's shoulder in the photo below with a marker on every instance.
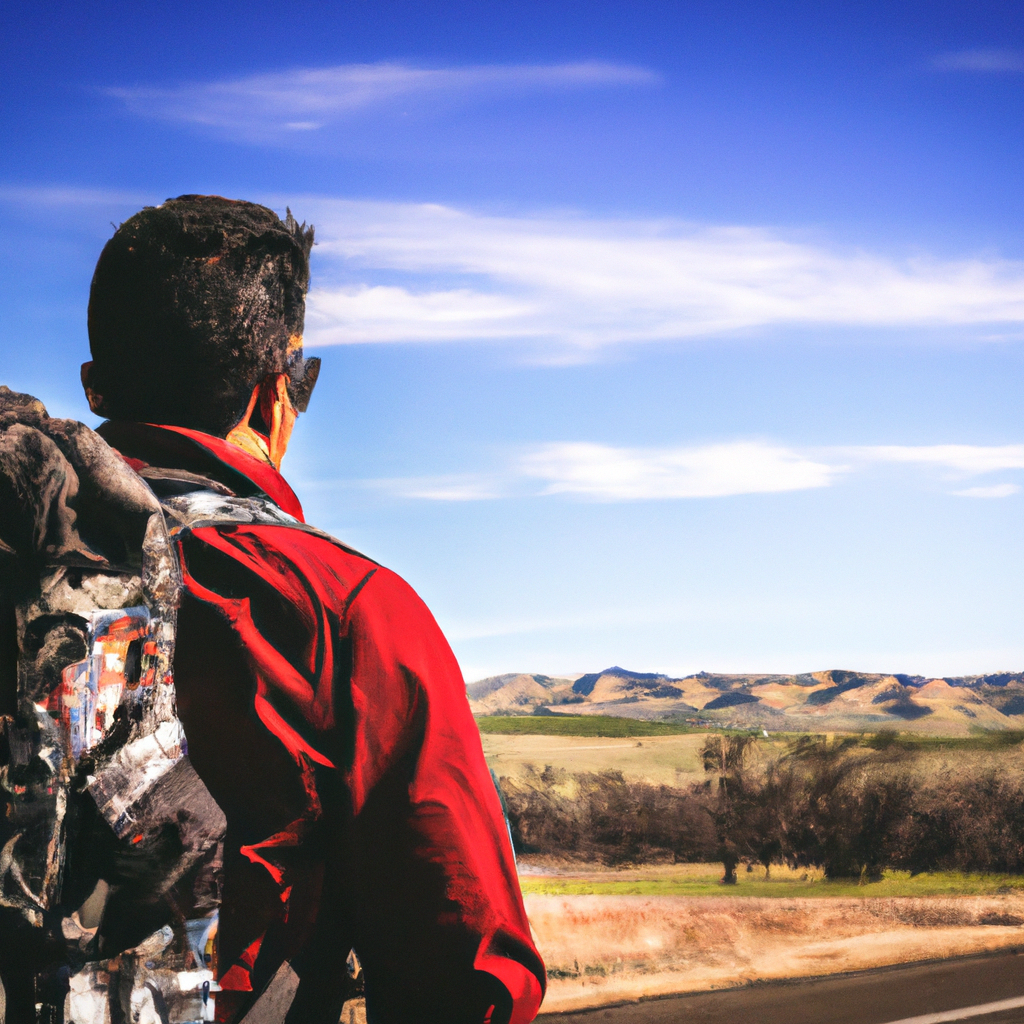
{"x":295,"y":580}
{"x":257,"y":515}
{"x":260,"y":539}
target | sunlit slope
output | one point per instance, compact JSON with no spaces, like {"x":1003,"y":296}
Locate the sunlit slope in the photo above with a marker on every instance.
{"x":834,"y":700}
{"x":516,"y":692}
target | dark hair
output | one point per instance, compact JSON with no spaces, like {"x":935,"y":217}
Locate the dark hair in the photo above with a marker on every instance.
{"x":192,"y":304}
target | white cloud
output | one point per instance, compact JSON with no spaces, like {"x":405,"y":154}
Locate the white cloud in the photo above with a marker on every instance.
{"x":633,"y":474}
{"x":70,"y":196}
{"x":453,"y":487}
{"x":982,"y":59}
{"x":365,"y":313}
{"x":996,"y":491}
{"x":306,"y":99}
{"x":965,"y":459}
{"x":567,"y":284}
{"x":608,"y":473}
{"x":60,"y":209}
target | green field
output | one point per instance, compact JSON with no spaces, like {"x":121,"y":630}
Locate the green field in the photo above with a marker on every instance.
{"x":613,"y":727}
{"x":980,"y":739}
{"x":581,"y":725}
{"x":704,"y":880}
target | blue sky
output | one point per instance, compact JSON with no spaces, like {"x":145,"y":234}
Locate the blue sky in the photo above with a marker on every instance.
{"x":678,"y":336}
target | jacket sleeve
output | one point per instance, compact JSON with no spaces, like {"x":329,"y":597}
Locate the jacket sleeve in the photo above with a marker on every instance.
{"x":440,"y":918}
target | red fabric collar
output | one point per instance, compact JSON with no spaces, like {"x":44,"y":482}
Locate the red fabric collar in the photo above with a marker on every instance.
{"x":262,"y":474}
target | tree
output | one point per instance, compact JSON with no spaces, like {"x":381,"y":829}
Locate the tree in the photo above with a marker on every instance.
{"x":852,"y":813}
{"x":723,"y":756}
{"x":772,"y":811}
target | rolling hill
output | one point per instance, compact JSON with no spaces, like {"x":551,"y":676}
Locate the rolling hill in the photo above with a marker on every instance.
{"x":835,"y":700}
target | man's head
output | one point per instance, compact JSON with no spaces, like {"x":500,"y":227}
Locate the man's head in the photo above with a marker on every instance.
{"x":194,"y":305}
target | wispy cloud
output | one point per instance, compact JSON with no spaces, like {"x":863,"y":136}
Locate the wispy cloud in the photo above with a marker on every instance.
{"x":964,"y":459}
{"x":67,"y":208}
{"x":636,"y":474}
{"x":982,"y":59}
{"x":381,"y":313}
{"x":69,"y":196}
{"x":565,"y":286}
{"x":453,"y":487}
{"x":995,"y":491}
{"x":308,"y":99}
{"x":392,"y":272}
{"x":607,"y":473}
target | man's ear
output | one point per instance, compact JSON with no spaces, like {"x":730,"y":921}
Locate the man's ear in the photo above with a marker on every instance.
{"x":272,"y":392}
{"x":94,"y":398}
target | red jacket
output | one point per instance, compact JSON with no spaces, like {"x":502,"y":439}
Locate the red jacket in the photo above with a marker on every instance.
{"x":327,"y":715}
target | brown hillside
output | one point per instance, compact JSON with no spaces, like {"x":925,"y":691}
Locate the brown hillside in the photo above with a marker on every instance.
{"x":831,"y":700}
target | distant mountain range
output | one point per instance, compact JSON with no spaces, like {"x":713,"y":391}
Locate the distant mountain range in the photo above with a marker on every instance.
{"x":835,"y":700}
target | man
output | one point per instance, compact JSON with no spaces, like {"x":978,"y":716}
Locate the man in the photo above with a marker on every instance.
{"x":321,"y":705}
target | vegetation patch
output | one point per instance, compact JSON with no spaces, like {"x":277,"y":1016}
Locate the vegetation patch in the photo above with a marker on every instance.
{"x":980,"y":739}
{"x":783,"y":885}
{"x":580,"y":725}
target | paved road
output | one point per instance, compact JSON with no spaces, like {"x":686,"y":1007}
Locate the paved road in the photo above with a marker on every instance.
{"x":871,"y":997}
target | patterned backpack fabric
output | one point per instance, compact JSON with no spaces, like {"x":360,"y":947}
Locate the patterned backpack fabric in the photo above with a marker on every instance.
{"x":110,"y":844}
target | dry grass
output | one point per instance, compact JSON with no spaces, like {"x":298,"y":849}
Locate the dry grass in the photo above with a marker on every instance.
{"x":675,"y":760}
{"x":663,"y":760}
{"x":936,"y":765}
{"x":602,"y":949}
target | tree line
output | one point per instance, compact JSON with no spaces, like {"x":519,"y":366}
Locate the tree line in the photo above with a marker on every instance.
{"x":836,"y":805}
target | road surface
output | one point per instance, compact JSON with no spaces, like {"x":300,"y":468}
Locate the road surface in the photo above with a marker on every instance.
{"x":982,"y":989}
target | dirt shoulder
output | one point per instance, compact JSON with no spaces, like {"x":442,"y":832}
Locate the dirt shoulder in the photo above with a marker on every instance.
{"x":606,"y":949}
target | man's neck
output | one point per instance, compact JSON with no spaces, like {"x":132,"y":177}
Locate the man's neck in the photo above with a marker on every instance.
{"x":251,"y":442}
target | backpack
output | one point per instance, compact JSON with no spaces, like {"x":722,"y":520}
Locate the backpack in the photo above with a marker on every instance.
{"x":110,"y":844}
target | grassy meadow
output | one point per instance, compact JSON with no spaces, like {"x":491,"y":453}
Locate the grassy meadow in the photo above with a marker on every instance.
{"x":538,"y":877}
{"x":668,"y":754}
{"x":578,"y":725}
{"x":663,"y":760}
